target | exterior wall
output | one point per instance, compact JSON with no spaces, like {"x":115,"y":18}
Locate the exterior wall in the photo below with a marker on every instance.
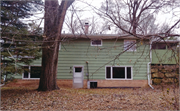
{"x":160,"y":56}
{"x":77,"y":52}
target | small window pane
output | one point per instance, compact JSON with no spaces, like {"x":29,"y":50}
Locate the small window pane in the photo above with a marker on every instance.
{"x":96,"y":42}
{"x":161,"y":46}
{"x":108,"y":72}
{"x":118,"y":72}
{"x":154,"y":46}
{"x":78,"y":69}
{"x":35,"y":72}
{"x":129,"y":72}
{"x":26,"y":71}
{"x":25,"y":74}
{"x":172,"y":45}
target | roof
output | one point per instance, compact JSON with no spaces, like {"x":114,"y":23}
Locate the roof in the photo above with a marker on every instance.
{"x":167,"y":41}
{"x":100,"y":36}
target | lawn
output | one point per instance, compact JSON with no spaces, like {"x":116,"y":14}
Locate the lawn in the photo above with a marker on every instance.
{"x":22,"y":95}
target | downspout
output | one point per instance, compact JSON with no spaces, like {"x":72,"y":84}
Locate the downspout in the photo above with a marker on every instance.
{"x":148,"y":67}
{"x":87,"y":74}
{"x":148,"y":74}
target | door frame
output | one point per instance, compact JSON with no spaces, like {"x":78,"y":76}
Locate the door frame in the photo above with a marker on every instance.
{"x":82,"y":78}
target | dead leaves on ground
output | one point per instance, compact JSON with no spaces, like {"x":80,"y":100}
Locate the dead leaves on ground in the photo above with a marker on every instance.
{"x":83,"y":99}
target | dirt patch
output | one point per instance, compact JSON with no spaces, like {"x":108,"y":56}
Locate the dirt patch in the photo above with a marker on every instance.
{"x":21,"y":95}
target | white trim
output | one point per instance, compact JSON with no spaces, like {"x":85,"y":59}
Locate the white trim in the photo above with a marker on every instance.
{"x":30,"y":78}
{"x":119,"y":78}
{"x":78,"y":66}
{"x":129,"y":50}
{"x":149,"y":75}
{"x":60,"y":46}
{"x":29,"y":74}
{"x":96,"y":45}
{"x":125,"y":72}
{"x":149,"y":67}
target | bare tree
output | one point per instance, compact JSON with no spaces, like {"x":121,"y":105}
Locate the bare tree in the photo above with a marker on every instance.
{"x":75,"y":22}
{"x":131,"y":16}
{"x":54,"y":18}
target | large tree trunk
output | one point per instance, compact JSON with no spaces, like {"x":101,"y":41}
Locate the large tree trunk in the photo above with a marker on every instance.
{"x":54,"y":18}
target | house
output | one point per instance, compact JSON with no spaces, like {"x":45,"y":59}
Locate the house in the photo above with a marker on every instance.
{"x":110,"y":60}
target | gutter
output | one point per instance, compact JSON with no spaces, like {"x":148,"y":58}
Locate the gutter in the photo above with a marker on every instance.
{"x":148,"y":68}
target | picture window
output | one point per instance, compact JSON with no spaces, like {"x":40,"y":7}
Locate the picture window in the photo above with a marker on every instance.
{"x":118,"y":72}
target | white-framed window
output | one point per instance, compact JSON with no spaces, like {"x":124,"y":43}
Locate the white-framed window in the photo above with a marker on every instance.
{"x":31,"y":72}
{"x":96,"y":42}
{"x":119,"y":72}
{"x":130,"y":45}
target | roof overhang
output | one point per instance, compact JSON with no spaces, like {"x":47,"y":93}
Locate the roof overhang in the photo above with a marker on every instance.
{"x":166,"y":41}
{"x":101,"y":36}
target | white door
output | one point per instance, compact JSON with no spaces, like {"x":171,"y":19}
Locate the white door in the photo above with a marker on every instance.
{"x":78,"y":76}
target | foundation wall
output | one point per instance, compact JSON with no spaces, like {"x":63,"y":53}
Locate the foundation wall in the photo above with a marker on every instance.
{"x":68,"y":83}
{"x":109,"y":83}
{"x":121,"y":83}
{"x":167,"y":74}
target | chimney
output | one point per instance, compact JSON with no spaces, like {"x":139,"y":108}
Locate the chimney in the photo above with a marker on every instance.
{"x":86,"y":27}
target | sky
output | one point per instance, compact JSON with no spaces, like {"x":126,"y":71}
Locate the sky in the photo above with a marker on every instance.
{"x":87,"y":12}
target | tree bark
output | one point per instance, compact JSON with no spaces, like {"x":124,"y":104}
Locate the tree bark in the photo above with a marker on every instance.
{"x":54,"y":18}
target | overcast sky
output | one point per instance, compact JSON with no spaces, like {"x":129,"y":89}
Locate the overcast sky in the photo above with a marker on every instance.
{"x":87,"y":12}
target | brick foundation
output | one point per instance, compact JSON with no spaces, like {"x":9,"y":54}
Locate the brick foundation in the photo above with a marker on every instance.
{"x":101,"y":83}
{"x":109,"y":83}
{"x":122,"y":83}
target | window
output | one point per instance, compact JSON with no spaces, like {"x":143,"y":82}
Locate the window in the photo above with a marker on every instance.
{"x":78,"y":69}
{"x":130,"y":45}
{"x":32,"y":72}
{"x":96,"y":42}
{"x":172,"y":45}
{"x":164,"y":45}
{"x":119,"y":72}
{"x":159,"y":46}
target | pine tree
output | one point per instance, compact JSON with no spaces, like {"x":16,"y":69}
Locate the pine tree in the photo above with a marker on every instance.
{"x":18,"y":46}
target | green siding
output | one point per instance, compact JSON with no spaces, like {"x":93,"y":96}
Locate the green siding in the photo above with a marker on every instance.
{"x":77,"y":52}
{"x":160,"y":56}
